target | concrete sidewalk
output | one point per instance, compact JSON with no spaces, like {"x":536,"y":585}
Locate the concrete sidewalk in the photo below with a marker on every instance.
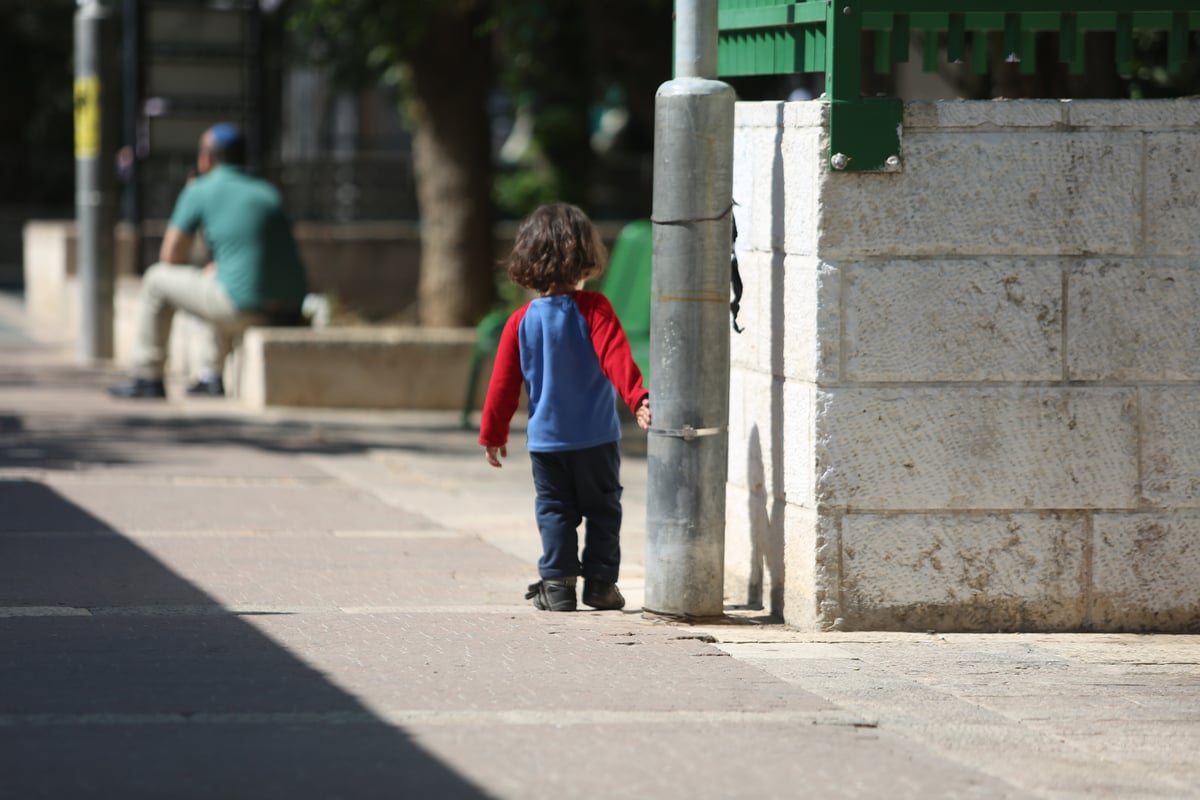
{"x":200,"y":602}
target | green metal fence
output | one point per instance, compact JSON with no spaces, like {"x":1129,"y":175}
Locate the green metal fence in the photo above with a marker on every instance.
{"x":775,"y":37}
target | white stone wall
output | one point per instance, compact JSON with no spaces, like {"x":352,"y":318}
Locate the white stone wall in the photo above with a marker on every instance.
{"x":968,"y":394}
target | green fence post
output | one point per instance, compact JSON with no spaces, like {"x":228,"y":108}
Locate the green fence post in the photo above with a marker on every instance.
{"x":1125,"y":43}
{"x":900,"y":38}
{"x":864,"y":133}
{"x":1177,"y":44}
{"x":979,"y":52}
{"x":956,"y":38}
{"x":930,"y":51}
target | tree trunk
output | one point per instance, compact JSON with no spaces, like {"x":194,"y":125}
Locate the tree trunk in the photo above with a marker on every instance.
{"x":451,"y":76}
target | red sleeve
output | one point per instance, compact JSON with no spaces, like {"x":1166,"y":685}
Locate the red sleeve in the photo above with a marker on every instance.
{"x":504,"y":388}
{"x":612,"y":348}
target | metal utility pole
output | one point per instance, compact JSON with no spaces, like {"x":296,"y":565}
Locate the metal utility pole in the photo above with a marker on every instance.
{"x":689,"y":326}
{"x":94,"y":181}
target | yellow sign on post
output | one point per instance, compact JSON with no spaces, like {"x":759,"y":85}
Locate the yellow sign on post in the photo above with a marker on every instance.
{"x":87,"y":117}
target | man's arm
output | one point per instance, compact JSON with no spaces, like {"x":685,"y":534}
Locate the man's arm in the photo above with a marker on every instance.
{"x":176,"y":247}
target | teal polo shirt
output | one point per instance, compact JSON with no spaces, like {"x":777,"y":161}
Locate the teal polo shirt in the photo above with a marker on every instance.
{"x":249,"y":236}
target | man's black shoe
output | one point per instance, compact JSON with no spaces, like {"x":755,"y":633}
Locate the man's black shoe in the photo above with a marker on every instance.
{"x":140,"y":388}
{"x":214,"y":387}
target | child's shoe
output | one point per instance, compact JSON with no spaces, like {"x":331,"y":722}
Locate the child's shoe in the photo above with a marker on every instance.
{"x":553,"y":594}
{"x":603,"y":595}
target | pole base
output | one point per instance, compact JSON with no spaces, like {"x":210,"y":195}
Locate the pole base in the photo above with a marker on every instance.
{"x":689,"y":619}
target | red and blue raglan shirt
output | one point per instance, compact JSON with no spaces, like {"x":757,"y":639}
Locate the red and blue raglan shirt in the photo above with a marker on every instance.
{"x":571,"y":354}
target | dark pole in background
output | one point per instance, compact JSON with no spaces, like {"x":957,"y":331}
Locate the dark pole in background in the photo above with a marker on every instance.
{"x":95,"y":211}
{"x":131,"y":74}
{"x":252,"y":59}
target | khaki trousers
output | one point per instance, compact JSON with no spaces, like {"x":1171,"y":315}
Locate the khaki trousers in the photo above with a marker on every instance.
{"x":167,"y":287}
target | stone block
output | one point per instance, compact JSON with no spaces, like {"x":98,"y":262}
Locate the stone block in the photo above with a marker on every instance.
{"x":742,"y":420}
{"x":370,"y":367}
{"x":965,"y":572}
{"x":1144,"y":572}
{"x":1172,"y":193}
{"x":745,"y":417}
{"x":772,"y":113}
{"x":745,"y":348}
{"x":771,"y":558}
{"x":754,"y":549}
{"x":987,"y":320}
{"x":810,"y":596}
{"x":789,"y":313}
{"x":806,"y":114}
{"x":740,"y":526}
{"x":983,"y":114}
{"x":756,"y":403}
{"x":1144,"y":115}
{"x":805,"y":309}
{"x":770,"y":431}
{"x":755,"y":156}
{"x":990,"y":194}
{"x":1170,"y":422}
{"x":791,"y":444}
{"x":48,"y":262}
{"x":801,"y":163}
{"x":768,"y":160}
{"x":1133,"y":321}
{"x":982,"y":448}
{"x":758,"y":114}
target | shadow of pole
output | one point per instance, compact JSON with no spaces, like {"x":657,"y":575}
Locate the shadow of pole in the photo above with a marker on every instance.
{"x":774,"y":545}
{"x":766,"y":533}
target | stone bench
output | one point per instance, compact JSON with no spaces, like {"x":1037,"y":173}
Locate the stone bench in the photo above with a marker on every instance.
{"x":353,"y":367}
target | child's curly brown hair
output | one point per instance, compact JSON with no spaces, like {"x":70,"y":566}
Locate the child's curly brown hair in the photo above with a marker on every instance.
{"x":557,"y":246}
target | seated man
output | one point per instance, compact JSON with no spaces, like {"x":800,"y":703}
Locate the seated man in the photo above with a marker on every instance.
{"x":255,"y":278}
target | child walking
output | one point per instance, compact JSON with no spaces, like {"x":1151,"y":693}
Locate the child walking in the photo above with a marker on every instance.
{"x":568,"y":349}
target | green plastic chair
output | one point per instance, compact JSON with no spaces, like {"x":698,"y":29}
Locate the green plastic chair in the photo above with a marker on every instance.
{"x":626,"y":284}
{"x":487,"y":341}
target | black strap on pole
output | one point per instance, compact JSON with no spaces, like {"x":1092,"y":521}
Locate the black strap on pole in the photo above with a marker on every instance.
{"x":735,"y":278}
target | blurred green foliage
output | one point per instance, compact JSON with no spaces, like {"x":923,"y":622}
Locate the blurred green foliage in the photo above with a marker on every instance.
{"x":555,"y":60}
{"x":1150,"y":78}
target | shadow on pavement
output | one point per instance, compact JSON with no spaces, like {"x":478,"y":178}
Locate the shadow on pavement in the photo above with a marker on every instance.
{"x":60,"y":440}
{"x":77,"y":424}
{"x":120,"y":679}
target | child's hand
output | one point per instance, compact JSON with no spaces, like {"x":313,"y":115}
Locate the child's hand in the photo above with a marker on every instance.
{"x":643,"y":414}
{"x":492,"y":453}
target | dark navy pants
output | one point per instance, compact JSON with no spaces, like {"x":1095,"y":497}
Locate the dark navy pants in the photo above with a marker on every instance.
{"x":573,"y":485}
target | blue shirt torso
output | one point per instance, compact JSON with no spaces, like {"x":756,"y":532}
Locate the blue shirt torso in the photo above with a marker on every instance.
{"x":572,"y":403}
